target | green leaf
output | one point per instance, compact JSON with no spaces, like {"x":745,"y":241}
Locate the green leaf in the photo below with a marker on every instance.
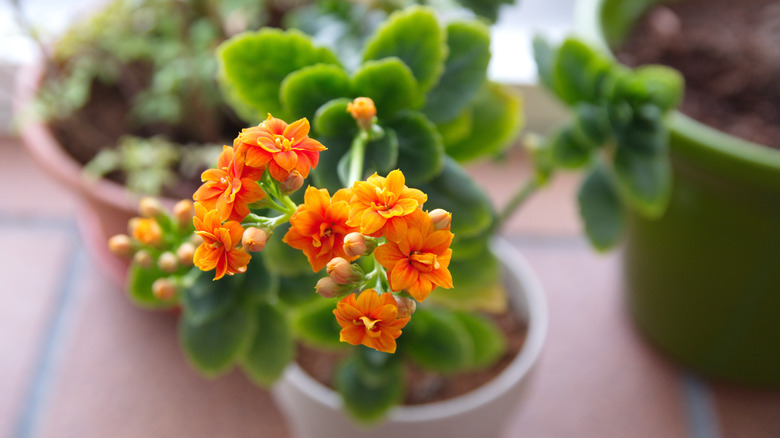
{"x":382,"y":154}
{"x":544,"y":55}
{"x":570,"y":148}
{"x":305,"y":90}
{"x":457,"y":129}
{"x":455,"y":191}
{"x":257,"y":282}
{"x":316,"y":325}
{"x":282,"y":259}
{"x":213,"y":347}
{"x":272,"y":347}
{"x":570,"y":80}
{"x":326,"y":175}
{"x":254,"y":64}
{"x":485,"y":8}
{"x":332,"y":120}
{"x":477,"y":284}
{"x":601,"y":209}
{"x":488,"y":340}
{"x":389,"y":83}
{"x":420,"y":150}
{"x":464,"y":71}
{"x":298,"y":290}
{"x":437,"y":341}
{"x":497,"y":117}
{"x":370,"y":387}
{"x":591,"y":122}
{"x":660,"y":85}
{"x":139,"y":286}
{"x":645,"y":180}
{"x":208,"y":299}
{"x":413,"y":35}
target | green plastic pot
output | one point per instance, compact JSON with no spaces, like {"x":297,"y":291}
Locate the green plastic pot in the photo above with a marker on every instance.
{"x":703,"y":281}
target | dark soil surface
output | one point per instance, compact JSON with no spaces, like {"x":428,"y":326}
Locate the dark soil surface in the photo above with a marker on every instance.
{"x":422,"y":386}
{"x":729,"y":53}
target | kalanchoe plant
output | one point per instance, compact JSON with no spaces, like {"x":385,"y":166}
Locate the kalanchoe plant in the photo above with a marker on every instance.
{"x":387,"y":219}
{"x":617,"y":135}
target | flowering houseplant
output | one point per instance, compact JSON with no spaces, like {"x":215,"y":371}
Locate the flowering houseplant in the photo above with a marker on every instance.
{"x":390,"y":215}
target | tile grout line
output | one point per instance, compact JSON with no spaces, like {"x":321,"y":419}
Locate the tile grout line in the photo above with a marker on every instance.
{"x":40,"y":385}
{"x":700,"y":406}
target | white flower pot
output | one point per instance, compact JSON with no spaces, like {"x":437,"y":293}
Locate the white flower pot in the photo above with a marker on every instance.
{"x":313,"y":410}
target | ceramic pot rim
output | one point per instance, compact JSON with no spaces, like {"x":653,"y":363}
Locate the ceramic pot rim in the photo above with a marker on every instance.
{"x":518,"y":369}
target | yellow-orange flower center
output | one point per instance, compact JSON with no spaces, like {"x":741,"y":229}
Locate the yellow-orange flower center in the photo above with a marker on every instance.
{"x":369,"y":323}
{"x":424,"y":262}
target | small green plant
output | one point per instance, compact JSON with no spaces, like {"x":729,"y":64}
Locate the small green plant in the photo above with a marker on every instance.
{"x":617,"y":135}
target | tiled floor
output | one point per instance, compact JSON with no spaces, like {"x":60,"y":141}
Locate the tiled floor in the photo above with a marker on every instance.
{"x":78,"y":360}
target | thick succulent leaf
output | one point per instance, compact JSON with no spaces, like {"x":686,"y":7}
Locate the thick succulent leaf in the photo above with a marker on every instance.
{"x":569,"y":75}
{"x":272,"y":346}
{"x":382,"y":154}
{"x":333,"y":120}
{"x":420,"y":150}
{"x":281,"y":258}
{"x":254,"y":64}
{"x":413,"y":35}
{"x":645,"y":180}
{"x":570,"y":148}
{"x":208,"y":299}
{"x":298,"y":290}
{"x":370,"y":387}
{"x":315,"y":324}
{"x":455,"y":191}
{"x":213,"y":347}
{"x":497,"y":117}
{"x":464,"y":71}
{"x":139,"y":286}
{"x":544,"y":55}
{"x":437,"y":341}
{"x":305,"y":90}
{"x":601,"y":209}
{"x":477,"y":285}
{"x":489,"y":341}
{"x":655,"y":84}
{"x":258,"y":282}
{"x":389,"y":83}
{"x":457,"y":129}
{"x":326,"y":174}
{"x":485,"y":8}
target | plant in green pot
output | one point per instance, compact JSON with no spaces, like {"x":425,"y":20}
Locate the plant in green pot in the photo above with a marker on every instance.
{"x":700,"y":244}
{"x":349,"y":186}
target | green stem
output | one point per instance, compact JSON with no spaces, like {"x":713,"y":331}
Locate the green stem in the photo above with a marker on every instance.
{"x":517,"y":200}
{"x":357,"y":157}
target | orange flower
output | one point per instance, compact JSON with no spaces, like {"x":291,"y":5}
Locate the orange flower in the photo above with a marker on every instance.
{"x":319,"y":225}
{"x":382,"y":206}
{"x":363,"y":110}
{"x":371,"y":320}
{"x":218,"y":249}
{"x":282,"y":147}
{"x":419,"y":262}
{"x":146,"y":230}
{"x":230,"y":187}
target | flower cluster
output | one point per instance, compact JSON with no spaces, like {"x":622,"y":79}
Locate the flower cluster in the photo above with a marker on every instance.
{"x":382,"y":252}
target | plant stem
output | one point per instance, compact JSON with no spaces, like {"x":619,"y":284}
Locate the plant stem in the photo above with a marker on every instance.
{"x":357,"y":155}
{"x":517,"y":200}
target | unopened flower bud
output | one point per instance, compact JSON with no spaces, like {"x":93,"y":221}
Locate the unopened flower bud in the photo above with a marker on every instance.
{"x":185,"y":252}
{"x":121,"y":245}
{"x":145,"y":230}
{"x":149,"y":207}
{"x":293,"y":182}
{"x":441,"y":219}
{"x":406,"y":306}
{"x":343,"y":272}
{"x":356,"y":244}
{"x":195,"y":239}
{"x":164,"y":289}
{"x":254,"y":239}
{"x":327,"y":288}
{"x":183,"y":212}
{"x":363,"y":111}
{"x":168,"y":262}
{"x":143,"y":259}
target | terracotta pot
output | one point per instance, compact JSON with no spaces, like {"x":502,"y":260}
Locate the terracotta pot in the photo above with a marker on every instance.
{"x":703,"y":281}
{"x":313,"y":410}
{"x":105,"y":205}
